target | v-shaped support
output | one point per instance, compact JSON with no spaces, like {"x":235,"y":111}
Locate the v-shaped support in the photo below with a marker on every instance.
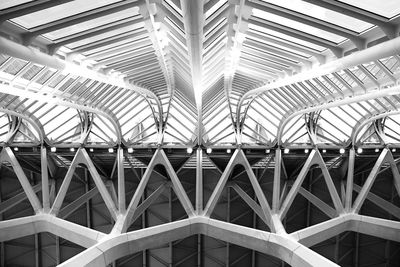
{"x":239,"y":157}
{"x":385,"y":156}
{"x":8,"y":156}
{"x":314,"y":158}
{"x":159,"y":157}
{"x":82,"y":157}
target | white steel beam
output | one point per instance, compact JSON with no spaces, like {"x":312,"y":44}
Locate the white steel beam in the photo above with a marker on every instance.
{"x":121,"y":180}
{"x":358,"y":202}
{"x":212,"y":201}
{"x":159,"y":157}
{"x":193,"y":23}
{"x":280,"y":246}
{"x":8,"y":156}
{"x":380,"y":202}
{"x":82,"y":157}
{"x":45,"y":179}
{"x":199,"y":181}
{"x":388,"y":48}
{"x":30,"y":225}
{"x":311,"y":160}
{"x":33,"y":55}
{"x":349,"y":100}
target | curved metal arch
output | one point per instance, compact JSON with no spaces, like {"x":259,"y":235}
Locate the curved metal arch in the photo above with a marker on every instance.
{"x":43,"y":98}
{"x":388,"y":48}
{"x":312,"y":125}
{"x":361,"y":124}
{"x":372,"y":95}
{"x":32,"y":120}
{"x":20,"y":51}
{"x":86,"y":119}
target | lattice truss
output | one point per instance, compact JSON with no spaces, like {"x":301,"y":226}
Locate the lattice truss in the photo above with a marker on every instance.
{"x":290,"y":117}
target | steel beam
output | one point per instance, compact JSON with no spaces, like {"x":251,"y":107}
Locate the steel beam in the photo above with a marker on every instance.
{"x":193,"y":22}
{"x":8,"y":156}
{"x":376,"y":52}
{"x":279,"y":246}
{"x":358,"y":202}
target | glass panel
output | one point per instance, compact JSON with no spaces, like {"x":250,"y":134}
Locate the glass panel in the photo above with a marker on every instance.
{"x":388,"y":8}
{"x":10,"y":3}
{"x":287,"y":38}
{"x":323,"y":14}
{"x":298,"y":26}
{"x":105,"y":35}
{"x":80,"y":27}
{"x":58,"y":12}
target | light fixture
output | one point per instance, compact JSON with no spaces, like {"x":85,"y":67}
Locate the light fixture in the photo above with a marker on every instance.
{"x":286,"y":150}
{"x":359,"y":150}
{"x":323,"y":150}
{"x":130,"y":150}
{"x":189,"y":150}
{"x":53,"y":149}
{"x":72,"y":149}
{"x":209,"y":150}
{"x":306,"y":150}
{"x":267,"y":151}
{"x":342,"y":150}
{"x":376,"y":150}
{"x":91,"y":149}
{"x":393,"y":149}
{"x":228,"y":151}
{"x":15,"y":148}
{"x":111,"y":150}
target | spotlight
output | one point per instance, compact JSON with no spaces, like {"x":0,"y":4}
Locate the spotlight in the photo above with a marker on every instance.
{"x":306,"y":150}
{"x":267,"y":151}
{"x":209,"y":150}
{"x":72,"y":149}
{"x":286,"y":150}
{"x":376,"y":150}
{"x":323,"y":150}
{"x":111,"y":150}
{"x":189,"y":150}
{"x":130,"y":150}
{"x":15,"y":148}
{"x":53,"y":149}
{"x":228,"y":151}
{"x":359,"y":150}
{"x":342,"y":150}
{"x":393,"y":149}
{"x":91,"y":149}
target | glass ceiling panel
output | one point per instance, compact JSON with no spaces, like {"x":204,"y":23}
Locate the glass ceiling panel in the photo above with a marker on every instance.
{"x":282,"y":47}
{"x":105,"y":35}
{"x":58,"y":12}
{"x":298,"y":26}
{"x":323,"y":14}
{"x":387,"y":8}
{"x":287,"y":38}
{"x":87,"y":25}
{"x":10,"y":3}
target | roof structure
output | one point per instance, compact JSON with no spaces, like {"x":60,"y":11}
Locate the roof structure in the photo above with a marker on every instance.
{"x":207,"y":133}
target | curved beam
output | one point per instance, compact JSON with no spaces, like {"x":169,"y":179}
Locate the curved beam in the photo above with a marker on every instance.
{"x":388,"y":48}
{"x":33,"y":55}
{"x":361,"y":124}
{"x":32,"y":120}
{"x":280,"y":246}
{"x":45,"y":98}
{"x":349,"y":100}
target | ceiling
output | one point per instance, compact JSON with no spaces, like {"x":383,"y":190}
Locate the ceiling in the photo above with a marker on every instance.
{"x":212,"y":73}
{"x":219,"y":74}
